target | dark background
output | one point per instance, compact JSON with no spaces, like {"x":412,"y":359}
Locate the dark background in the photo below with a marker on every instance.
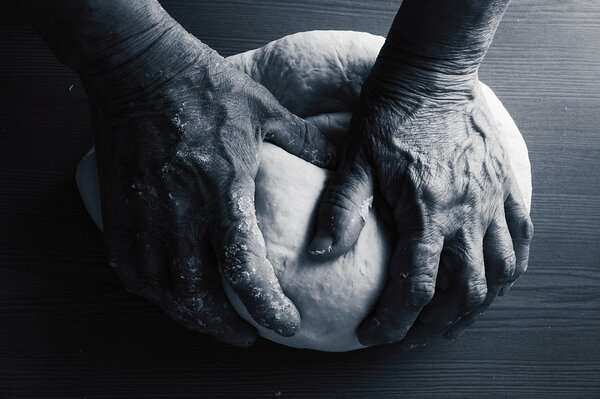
{"x":67,"y":329}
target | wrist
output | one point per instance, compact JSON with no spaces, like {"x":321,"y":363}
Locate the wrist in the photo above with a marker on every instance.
{"x":147,"y":66}
{"x":92,"y":33}
{"x":401,"y":70}
{"x":434,"y":49}
{"x":117,"y":47}
{"x":455,"y":34}
{"x":408,"y":83}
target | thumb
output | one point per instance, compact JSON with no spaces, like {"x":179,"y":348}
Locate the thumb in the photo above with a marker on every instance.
{"x":300,"y":138}
{"x":344,"y":208}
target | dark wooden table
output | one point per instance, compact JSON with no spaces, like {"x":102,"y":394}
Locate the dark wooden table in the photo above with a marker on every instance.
{"x":67,"y":329}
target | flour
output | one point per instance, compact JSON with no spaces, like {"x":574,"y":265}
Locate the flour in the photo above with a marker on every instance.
{"x":365,"y":207}
{"x":333,"y":296}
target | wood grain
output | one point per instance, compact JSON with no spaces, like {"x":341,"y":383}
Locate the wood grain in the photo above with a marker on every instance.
{"x":67,"y":329}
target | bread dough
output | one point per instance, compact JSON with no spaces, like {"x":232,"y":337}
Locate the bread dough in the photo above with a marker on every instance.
{"x":313,"y":73}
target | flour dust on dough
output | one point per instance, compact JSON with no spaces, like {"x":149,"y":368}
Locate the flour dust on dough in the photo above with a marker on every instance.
{"x":318,"y":75}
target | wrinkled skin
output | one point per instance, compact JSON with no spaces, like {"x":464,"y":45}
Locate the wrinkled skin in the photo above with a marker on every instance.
{"x":178,"y":152}
{"x":178,"y":136}
{"x":423,"y":143}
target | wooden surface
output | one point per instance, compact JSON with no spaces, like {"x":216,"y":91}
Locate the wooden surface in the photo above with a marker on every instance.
{"x":67,"y":329}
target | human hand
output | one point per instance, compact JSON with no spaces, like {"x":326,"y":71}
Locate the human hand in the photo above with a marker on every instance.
{"x":432,"y":157}
{"x":178,"y":136}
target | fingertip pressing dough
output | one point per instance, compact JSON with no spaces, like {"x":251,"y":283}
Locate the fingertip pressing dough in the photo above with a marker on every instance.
{"x":314,"y":73}
{"x":334,"y":296}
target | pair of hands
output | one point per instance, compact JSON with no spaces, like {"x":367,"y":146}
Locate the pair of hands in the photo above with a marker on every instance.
{"x":178,"y":148}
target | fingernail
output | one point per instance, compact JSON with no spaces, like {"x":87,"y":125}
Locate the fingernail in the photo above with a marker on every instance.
{"x":321,"y":244}
{"x":455,"y":333}
{"x":505,"y":289}
{"x":286,"y":331}
{"x":244,"y":343}
{"x":288,"y":322}
{"x":368,"y":332}
{"x":240,"y":335}
{"x":528,"y":229}
{"x":152,"y":289}
{"x":428,"y":317}
{"x":413,"y":345}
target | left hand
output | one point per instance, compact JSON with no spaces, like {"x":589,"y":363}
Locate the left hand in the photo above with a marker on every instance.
{"x":179,"y":133}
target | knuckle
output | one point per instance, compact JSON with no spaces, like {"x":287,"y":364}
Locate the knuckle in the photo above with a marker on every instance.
{"x":505,"y":267}
{"x":310,"y":131}
{"x":191,"y":161}
{"x":192,"y":305}
{"x":419,"y":291}
{"x":201,"y":311}
{"x":112,"y":257}
{"x":476,"y":294}
{"x":237,"y":222}
{"x":151,"y":286}
{"x":181,"y":315}
{"x":339,"y":200}
{"x":348,"y":195}
{"x":187,"y":274}
{"x":240,"y":269}
{"x":526,"y":229}
{"x":302,"y":134}
{"x":520,"y":268}
{"x":130,"y":285}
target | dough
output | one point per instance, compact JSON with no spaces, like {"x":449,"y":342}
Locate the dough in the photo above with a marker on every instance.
{"x":314,"y":73}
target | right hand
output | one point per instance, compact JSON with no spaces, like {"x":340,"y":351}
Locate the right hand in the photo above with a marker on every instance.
{"x":178,"y":135}
{"x":426,"y":145}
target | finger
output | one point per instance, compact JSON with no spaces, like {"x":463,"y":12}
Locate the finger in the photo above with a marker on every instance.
{"x":300,"y":138}
{"x":120,"y":228}
{"x":151,"y":256}
{"x":521,"y":230}
{"x":500,"y":262}
{"x":334,"y":125}
{"x":446,"y":282}
{"x":343,"y":210}
{"x":189,"y":262}
{"x":241,"y":253}
{"x":411,"y":286}
{"x":88,"y":183}
{"x":464,"y":253}
{"x":119,"y":245}
{"x":197,"y":299}
{"x":210,"y":313}
{"x":448,"y":272}
{"x":423,"y":329}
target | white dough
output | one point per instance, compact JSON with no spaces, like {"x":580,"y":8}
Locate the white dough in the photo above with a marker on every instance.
{"x":312,"y":73}
{"x":333,"y":297}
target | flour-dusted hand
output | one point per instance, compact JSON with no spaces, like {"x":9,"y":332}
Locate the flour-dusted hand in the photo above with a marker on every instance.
{"x":178,"y":134}
{"x":177,"y":162}
{"x":424,"y":144}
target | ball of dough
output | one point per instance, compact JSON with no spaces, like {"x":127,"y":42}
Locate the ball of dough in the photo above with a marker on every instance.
{"x":332,"y":296}
{"x":312,"y":74}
